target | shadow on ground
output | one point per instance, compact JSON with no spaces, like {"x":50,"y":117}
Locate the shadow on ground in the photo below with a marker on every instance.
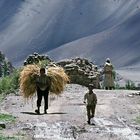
{"x":33,"y":113}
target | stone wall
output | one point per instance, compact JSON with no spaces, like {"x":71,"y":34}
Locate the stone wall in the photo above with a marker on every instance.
{"x":81,"y":71}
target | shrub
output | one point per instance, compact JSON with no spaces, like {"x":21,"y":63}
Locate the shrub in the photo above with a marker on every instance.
{"x":2,"y":137}
{"x":10,"y":83}
{"x":137,"y":120}
{"x":117,"y":86}
{"x":130,"y":85}
{"x":7,"y":118}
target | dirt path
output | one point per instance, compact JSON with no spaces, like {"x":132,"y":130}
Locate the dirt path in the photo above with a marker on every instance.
{"x":66,"y":118}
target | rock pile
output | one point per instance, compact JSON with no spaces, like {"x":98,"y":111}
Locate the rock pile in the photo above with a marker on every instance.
{"x":36,"y":58}
{"x":81,"y":71}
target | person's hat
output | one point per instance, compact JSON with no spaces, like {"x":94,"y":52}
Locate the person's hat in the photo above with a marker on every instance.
{"x":91,"y":86}
{"x":108,"y":60}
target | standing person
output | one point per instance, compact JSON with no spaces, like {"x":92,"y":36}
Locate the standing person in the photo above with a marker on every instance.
{"x":90,"y":99}
{"x":43,"y":83}
{"x":97,"y":73}
{"x":108,"y":75}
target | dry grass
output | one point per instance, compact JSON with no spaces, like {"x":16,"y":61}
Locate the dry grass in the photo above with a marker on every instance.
{"x":28,"y":80}
{"x":58,"y":79}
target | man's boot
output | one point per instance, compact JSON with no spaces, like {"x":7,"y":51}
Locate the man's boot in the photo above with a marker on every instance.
{"x":88,"y":121}
{"x":45,"y":111}
{"x":106,"y":88}
{"x":38,"y":110}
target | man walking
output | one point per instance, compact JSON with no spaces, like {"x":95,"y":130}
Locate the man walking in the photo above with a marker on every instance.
{"x":90,"y":99}
{"x":43,"y":83}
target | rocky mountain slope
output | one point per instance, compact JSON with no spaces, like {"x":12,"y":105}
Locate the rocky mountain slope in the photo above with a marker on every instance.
{"x":94,"y":29}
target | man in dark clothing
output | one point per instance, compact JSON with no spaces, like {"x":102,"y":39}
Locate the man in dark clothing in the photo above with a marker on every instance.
{"x":43,"y":83}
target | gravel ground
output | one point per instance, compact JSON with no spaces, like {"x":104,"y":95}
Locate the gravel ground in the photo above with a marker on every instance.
{"x":115,"y":116}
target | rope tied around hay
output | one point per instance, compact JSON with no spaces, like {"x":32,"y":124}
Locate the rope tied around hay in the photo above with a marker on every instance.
{"x":28,"y":80}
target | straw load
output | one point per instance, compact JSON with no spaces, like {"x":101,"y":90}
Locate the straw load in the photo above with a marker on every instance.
{"x":28,"y":80}
{"x":58,"y":79}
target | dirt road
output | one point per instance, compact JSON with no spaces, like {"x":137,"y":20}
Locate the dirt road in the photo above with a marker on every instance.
{"x":66,"y":119}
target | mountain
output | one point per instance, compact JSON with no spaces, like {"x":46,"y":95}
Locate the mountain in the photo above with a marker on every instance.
{"x":95,"y":29}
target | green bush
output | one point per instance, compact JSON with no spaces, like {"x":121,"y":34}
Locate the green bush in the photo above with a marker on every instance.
{"x":7,"y":118}
{"x":43,"y":63}
{"x":117,"y":86}
{"x":7,"y":138}
{"x":137,"y":120}
{"x":130,"y":85}
{"x":10,"y":83}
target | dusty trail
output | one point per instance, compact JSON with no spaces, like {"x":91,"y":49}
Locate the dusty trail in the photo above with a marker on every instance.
{"x":66,"y":118}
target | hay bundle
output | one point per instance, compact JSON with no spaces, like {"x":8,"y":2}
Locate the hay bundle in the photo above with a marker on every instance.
{"x":28,"y":80}
{"x":58,"y":79}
